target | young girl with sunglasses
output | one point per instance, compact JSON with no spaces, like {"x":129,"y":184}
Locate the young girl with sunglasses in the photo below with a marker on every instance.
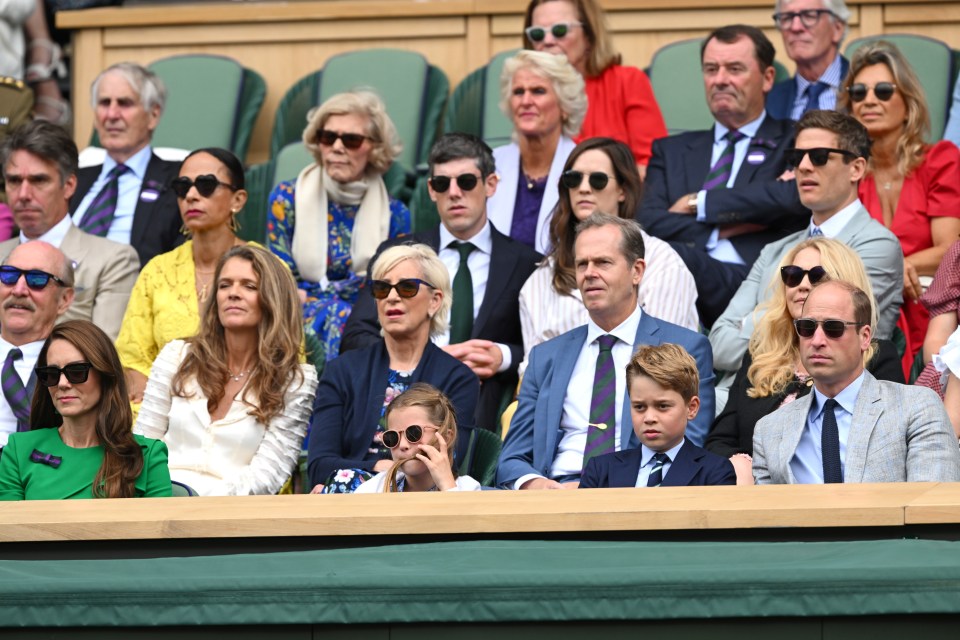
{"x":772,"y":374}
{"x":80,"y":444}
{"x":421,"y":434}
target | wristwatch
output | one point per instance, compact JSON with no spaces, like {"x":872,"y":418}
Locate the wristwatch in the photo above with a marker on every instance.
{"x":692,"y":204}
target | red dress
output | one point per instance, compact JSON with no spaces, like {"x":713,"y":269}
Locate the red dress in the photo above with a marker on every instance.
{"x":621,"y":105}
{"x":932,"y":190}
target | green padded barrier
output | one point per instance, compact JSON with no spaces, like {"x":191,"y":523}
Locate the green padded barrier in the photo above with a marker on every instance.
{"x":932,"y":60}
{"x":480,"y":460}
{"x":251,"y":100}
{"x":291,"y":161}
{"x":253,"y":217}
{"x":497,"y":128}
{"x":291,"y":117}
{"x":465,"y":108}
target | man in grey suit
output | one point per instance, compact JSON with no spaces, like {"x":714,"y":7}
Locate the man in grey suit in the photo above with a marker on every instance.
{"x":829,"y":190}
{"x":39,"y":163}
{"x":853,"y":427}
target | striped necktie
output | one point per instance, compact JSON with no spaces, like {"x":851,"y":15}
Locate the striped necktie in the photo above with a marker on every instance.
{"x":603,"y":425}
{"x":721,"y":170}
{"x":18,"y":396}
{"x":99,"y":216}
{"x":656,"y":471}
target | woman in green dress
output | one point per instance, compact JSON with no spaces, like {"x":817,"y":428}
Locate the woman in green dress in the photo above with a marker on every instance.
{"x":80,"y":443}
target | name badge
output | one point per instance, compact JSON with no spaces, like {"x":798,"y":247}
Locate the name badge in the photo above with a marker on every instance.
{"x":756,"y":157}
{"x":149,"y":195}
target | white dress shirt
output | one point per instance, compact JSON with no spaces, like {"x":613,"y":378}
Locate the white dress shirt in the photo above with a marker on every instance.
{"x":646,"y":462}
{"x":24,"y":368}
{"x":128,"y":186}
{"x":835,"y":223}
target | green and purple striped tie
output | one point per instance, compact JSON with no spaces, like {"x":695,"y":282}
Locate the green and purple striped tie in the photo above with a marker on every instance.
{"x":721,"y":170}
{"x":18,"y":396}
{"x":99,"y":215}
{"x":601,"y":432}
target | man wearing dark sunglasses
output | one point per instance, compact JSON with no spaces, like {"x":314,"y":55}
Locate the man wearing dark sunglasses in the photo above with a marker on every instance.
{"x":39,"y":163}
{"x":36,"y":288}
{"x":812,"y":32}
{"x":829,"y":160}
{"x":716,"y":195}
{"x":853,"y":427}
{"x":485,"y":320}
{"x":128,"y":198}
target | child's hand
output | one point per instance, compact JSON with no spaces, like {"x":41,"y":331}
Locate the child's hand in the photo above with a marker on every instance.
{"x":438,"y":464}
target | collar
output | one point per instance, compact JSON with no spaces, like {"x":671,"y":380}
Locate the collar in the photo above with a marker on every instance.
{"x":833,"y":225}
{"x":626,"y":331}
{"x":846,"y":398}
{"x":749,"y":130}
{"x":31,"y":350}
{"x":831,"y":76}
{"x":647,"y":453}
{"x":137,"y":163}
{"x":482,"y":240}
{"x":55,"y":234}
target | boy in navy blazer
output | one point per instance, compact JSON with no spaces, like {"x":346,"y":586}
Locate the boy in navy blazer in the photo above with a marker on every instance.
{"x":663,"y":383}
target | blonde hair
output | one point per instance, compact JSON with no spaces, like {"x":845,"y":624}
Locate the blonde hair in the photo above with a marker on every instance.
{"x":441,"y":413}
{"x":567,"y":83}
{"x":601,"y":53}
{"x":380,"y":128}
{"x":774,"y":346}
{"x":431,"y":269}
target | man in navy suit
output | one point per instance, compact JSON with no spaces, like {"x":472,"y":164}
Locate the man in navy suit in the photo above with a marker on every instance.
{"x":127,"y":103}
{"x":663,"y":384}
{"x":718,"y":195}
{"x":558,"y":419}
{"x":462,"y":178}
{"x":812,"y":31}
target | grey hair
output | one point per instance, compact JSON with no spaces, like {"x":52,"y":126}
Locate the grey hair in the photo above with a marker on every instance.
{"x":566,"y":81}
{"x":838,"y":8}
{"x":145,"y":83}
{"x":631,"y":243}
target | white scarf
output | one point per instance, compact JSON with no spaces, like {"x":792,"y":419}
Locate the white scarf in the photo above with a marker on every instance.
{"x":370,"y":228}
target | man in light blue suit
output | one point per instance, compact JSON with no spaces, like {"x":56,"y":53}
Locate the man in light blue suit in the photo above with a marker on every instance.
{"x":554,"y":423}
{"x":853,"y":427}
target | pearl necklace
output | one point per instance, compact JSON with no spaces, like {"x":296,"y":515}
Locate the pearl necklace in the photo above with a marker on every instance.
{"x":236,"y":377}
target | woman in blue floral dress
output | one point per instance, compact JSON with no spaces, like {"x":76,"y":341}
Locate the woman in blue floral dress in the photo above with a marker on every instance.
{"x":328,"y":223}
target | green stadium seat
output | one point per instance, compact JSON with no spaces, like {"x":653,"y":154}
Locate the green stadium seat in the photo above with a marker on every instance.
{"x":474,"y":106}
{"x":483,"y":453}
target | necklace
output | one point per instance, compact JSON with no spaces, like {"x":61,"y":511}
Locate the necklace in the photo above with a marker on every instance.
{"x":236,"y":377}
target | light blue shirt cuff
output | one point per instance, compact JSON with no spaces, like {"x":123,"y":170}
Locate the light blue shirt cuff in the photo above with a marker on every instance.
{"x":701,"y":206}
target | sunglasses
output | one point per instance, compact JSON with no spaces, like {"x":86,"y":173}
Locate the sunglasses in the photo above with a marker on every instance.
{"x":35,"y":278}
{"x":466,"y":182}
{"x":792,"y":275}
{"x":406,"y":288}
{"x":818,"y":155}
{"x":413,"y":434}
{"x":834,"y":329}
{"x":573,"y":179}
{"x":76,"y":373}
{"x":883,"y":90}
{"x":808,"y":17}
{"x":558,"y":31}
{"x":351,"y":141}
{"x":205,"y":185}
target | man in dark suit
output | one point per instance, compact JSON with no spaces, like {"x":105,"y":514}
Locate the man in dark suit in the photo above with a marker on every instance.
{"x":717,"y":196}
{"x":128,"y":198}
{"x":485,"y":321}
{"x":812,"y":31}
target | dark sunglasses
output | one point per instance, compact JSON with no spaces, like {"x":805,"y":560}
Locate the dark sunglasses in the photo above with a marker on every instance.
{"x":350,"y":140}
{"x":466,"y":182}
{"x":413,"y":434}
{"x":205,"y":185}
{"x":76,"y":373}
{"x":558,"y":30}
{"x":573,"y":179}
{"x":35,"y":278}
{"x":834,"y":329}
{"x":818,"y":155}
{"x":792,"y":275}
{"x":883,"y":90}
{"x":808,"y":17}
{"x":406,"y":288}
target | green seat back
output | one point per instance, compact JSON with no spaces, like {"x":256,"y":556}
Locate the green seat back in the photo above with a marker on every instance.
{"x":181,"y":490}
{"x":423,"y":210}
{"x":291,"y":116}
{"x":253,"y":217}
{"x":482,"y":456}
{"x":497,"y":128}
{"x":677,"y":80}
{"x":932,"y":61}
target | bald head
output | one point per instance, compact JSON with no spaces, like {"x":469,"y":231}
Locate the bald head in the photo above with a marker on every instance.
{"x":27,"y":314}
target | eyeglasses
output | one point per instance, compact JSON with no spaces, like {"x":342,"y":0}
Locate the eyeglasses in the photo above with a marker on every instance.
{"x":406,"y":288}
{"x":792,"y":275}
{"x":466,"y":182}
{"x":808,"y":17}
{"x":883,"y":90}
{"x":351,"y":141}
{"x":834,"y":329}
{"x":573,"y":179}
{"x":35,"y":278}
{"x":77,"y":373}
{"x":205,"y":185}
{"x":558,"y":31}
{"x":413,"y":434}
{"x":818,"y":155}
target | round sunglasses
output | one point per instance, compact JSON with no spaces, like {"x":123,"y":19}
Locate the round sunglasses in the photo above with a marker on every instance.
{"x":413,"y":434}
{"x":818,"y":155}
{"x":35,"y":278}
{"x":883,"y":90}
{"x":833,"y":329}
{"x":558,"y":30}
{"x":466,"y":182}
{"x":76,"y":372}
{"x":406,"y":288}
{"x":205,"y":185}
{"x":573,"y":179}
{"x":351,"y":141}
{"x":792,"y":275}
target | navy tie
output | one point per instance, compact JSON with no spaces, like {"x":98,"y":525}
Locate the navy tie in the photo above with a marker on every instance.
{"x":813,"y":95}
{"x":656,"y":471}
{"x":830,"y":444}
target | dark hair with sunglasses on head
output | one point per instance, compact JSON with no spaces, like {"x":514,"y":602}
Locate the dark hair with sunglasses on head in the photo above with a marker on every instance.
{"x":80,"y":420}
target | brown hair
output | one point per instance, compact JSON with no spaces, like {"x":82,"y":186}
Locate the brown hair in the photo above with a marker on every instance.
{"x":441,"y":413}
{"x":851,"y":135}
{"x":669,"y":365}
{"x":601,"y":53}
{"x":122,"y":456}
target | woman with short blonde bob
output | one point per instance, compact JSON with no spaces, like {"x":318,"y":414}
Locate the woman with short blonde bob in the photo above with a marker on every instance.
{"x":328,"y":223}
{"x":542,"y":95}
{"x":421,"y":435}
{"x":772,"y":374}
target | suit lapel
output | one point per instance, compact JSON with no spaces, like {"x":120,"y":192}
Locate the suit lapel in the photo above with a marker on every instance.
{"x":153,"y":182}
{"x":858,"y":221}
{"x":73,"y":247}
{"x":568,"y":351}
{"x":625,"y":474}
{"x":502,"y":263}
{"x":683,"y":468}
{"x":866,"y":414}
{"x":795,"y":421}
{"x":648,"y":333}
{"x":697,"y":161}
{"x":85,"y":179}
{"x":765,"y":142}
